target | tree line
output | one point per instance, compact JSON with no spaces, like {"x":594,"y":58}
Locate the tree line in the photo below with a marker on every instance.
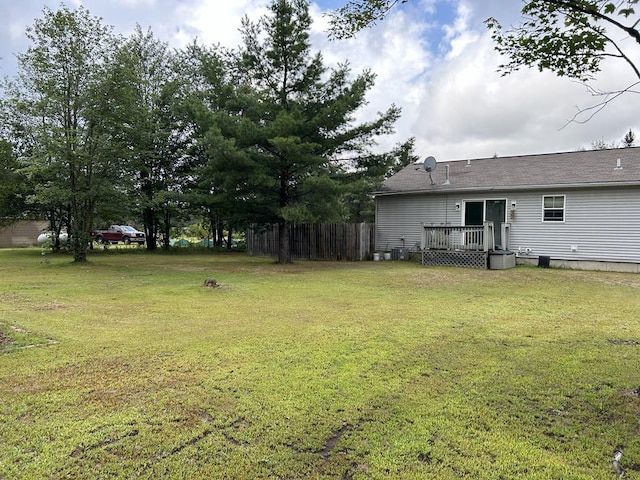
{"x":99,"y":128}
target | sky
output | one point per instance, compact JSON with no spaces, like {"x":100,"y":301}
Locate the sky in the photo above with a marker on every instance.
{"x":433,"y":58}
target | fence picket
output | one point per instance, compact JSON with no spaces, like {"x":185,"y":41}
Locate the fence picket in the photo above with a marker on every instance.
{"x":320,"y":241}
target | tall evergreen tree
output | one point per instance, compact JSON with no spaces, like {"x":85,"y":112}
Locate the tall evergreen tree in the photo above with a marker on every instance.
{"x":366,"y":174}
{"x":629,"y":139}
{"x":211,"y":85}
{"x":282,"y":138}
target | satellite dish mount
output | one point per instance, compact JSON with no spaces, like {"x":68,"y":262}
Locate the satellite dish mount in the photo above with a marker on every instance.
{"x":429,"y":166}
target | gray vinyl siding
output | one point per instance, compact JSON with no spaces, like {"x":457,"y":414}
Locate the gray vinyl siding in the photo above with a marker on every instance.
{"x":602,"y":223}
{"x":403,"y":216}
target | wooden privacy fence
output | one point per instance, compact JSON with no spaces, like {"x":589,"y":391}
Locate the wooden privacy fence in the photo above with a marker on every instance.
{"x":322,"y":241}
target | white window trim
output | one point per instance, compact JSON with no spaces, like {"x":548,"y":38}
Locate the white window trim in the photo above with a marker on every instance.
{"x":564,"y":209}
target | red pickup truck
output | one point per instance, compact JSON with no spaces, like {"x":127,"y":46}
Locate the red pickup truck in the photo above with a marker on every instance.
{"x":119,"y":233}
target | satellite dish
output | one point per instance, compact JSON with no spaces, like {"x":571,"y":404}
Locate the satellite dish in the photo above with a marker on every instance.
{"x":429,"y":164}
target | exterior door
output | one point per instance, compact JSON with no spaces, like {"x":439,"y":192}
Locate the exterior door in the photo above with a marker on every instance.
{"x":477,"y":212}
{"x":495,"y":211}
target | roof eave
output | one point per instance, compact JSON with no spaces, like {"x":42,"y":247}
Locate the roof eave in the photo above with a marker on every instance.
{"x":557,"y":186}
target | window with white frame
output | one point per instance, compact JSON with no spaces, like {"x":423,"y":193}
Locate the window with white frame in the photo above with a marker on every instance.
{"x":553,"y":208}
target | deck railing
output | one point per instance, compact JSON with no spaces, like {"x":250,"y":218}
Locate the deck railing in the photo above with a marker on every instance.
{"x":478,"y":238}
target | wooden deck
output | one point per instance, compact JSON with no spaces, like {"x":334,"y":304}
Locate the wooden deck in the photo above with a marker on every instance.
{"x":459,"y":246}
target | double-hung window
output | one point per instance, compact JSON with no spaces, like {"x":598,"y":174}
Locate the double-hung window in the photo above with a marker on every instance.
{"x":553,"y":208}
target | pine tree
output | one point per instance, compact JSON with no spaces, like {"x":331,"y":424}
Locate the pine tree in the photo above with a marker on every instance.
{"x":284,"y":135}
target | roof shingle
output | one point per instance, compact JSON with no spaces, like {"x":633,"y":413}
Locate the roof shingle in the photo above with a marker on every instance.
{"x":575,"y":169}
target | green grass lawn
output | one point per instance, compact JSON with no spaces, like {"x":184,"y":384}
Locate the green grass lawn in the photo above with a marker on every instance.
{"x":128,"y":367}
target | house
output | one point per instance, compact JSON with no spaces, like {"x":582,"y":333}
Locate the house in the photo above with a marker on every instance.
{"x":575,"y":209}
{"x":23,"y":233}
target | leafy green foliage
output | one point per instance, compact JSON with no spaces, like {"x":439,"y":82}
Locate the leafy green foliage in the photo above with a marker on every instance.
{"x":568,"y":37}
{"x":13,"y":185}
{"x":106,"y":129}
{"x":54,"y":97}
{"x":365,"y":175}
{"x":357,"y":15}
{"x":145,"y":79}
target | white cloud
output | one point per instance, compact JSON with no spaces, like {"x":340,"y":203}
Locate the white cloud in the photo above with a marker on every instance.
{"x":136,"y":3}
{"x":458,"y":106}
{"x":443,"y":76}
{"x":396,"y":52}
{"x":15,"y":30}
{"x":217,"y":22}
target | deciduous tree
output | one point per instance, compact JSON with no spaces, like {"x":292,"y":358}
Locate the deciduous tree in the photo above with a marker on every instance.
{"x":55,"y":94}
{"x":573,"y":38}
{"x":145,"y":75}
{"x":570,"y":38}
{"x":355,"y":15}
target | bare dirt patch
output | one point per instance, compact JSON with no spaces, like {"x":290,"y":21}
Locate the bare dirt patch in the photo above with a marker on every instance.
{"x":624,"y":342}
{"x":12,"y":338}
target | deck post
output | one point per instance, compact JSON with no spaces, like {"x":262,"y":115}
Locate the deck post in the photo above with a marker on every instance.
{"x":485,"y":237}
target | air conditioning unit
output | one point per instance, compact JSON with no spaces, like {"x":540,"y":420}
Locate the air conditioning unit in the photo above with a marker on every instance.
{"x":399,"y":254}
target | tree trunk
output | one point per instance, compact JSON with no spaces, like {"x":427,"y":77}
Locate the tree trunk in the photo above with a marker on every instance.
{"x":219,"y":235}
{"x":81,"y":213}
{"x":229,"y":238}
{"x":148,"y":216}
{"x":284,"y":250}
{"x":55,"y":226}
{"x":167,"y":228}
{"x":79,"y":243}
